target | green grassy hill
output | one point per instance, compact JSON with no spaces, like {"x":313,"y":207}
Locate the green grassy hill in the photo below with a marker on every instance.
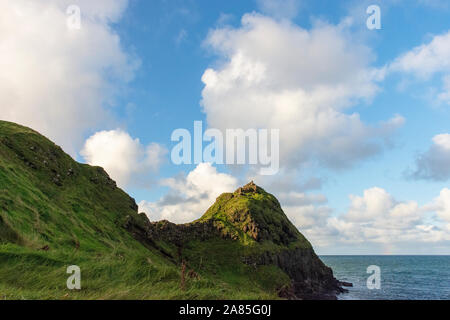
{"x":55,"y":212}
{"x":245,"y":237}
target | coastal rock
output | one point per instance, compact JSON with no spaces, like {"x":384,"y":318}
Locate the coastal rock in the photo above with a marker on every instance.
{"x":345,"y":284}
{"x":253,"y":218}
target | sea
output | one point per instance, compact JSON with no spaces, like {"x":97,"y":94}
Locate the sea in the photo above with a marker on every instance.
{"x":392,"y":277}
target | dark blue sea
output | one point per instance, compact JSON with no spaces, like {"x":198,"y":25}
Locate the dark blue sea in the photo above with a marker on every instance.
{"x":401,"y":277}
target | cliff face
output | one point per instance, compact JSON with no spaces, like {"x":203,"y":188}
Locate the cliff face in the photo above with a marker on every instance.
{"x":311,"y":278}
{"x":262,"y":234}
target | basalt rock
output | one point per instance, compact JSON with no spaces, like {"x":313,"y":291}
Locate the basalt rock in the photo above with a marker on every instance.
{"x":311,"y":278}
{"x":253,"y":218}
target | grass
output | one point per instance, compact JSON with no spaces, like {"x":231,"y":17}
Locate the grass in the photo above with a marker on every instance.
{"x":55,"y":212}
{"x":239,"y":212}
{"x":27,"y":274}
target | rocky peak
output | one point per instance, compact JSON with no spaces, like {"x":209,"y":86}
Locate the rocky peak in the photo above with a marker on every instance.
{"x":252,"y":214}
{"x":253,"y":218}
{"x":250,"y":187}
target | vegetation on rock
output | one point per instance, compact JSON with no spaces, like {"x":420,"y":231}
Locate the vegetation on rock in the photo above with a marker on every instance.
{"x":55,"y":212}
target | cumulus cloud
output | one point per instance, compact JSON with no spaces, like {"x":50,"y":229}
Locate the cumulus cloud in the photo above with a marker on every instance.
{"x":189,"y":196}
{"x":309,"y":213}
{"x":301,"y":199}
{"x":426,"y":61}
{"x":442,"y":205}
{"x":54,"y":78}
{"x":375,"y":218}
{"x":125,"y":159}
{"x":273,"y":74}
{"x":434,"y":164}
{"x":378,"y":217}
{"x":378,"y":209}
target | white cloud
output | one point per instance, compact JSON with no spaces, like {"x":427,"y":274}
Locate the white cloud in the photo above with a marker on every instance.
{"x":276,"y":75}
{"x":294,"y":198}
{"x":375,"y":218}
{"x":125,"y":159}
{"x":378,"y":209}
{"x":443,"y":141}
{"x":311,"y":220}
{"x":426,"y":61}
{"x":434,"y":164}
{"x":442,"y":205}
{"x":104,"y":10}
{"x":189,"y":196}
{"x":56,"y":79}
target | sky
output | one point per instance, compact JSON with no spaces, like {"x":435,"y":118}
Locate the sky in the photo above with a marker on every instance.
{"x":363,"y":114}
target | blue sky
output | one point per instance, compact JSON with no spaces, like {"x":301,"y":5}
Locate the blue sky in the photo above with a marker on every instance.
{"x":147,"y":59}
{"x":167,"y":89}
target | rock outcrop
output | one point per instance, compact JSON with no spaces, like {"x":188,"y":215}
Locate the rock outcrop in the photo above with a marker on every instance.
{"x":253,"y":218}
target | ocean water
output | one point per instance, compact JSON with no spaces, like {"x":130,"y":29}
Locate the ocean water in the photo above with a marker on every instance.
{"x":402,"y":277}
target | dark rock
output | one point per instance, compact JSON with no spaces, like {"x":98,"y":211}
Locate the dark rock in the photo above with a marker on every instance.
{"x":287,"y":292}
{"x":262,"y":219}
{"x":31,"y":164}
{"x":133,"y":205}
{"x":248,"y":188}
{"x":312,"y":279}
{"x":346,"y":284}
{"x":57,"y":180}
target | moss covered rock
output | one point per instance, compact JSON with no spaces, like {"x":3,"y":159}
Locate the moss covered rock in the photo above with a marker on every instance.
{"x":255,"y":232}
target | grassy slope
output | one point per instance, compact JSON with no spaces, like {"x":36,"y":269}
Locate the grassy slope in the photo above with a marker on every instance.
{"x":47,"y":199}
{"x":239,"y":212}
{"x":222,"y":258}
